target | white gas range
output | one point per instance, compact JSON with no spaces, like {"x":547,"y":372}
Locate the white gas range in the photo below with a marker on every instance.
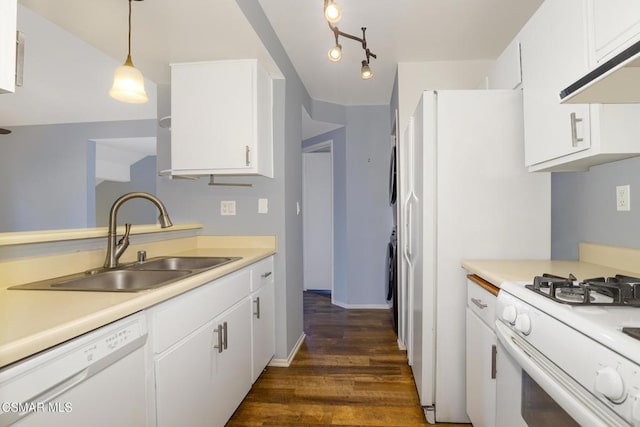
{"x":569,"y":352}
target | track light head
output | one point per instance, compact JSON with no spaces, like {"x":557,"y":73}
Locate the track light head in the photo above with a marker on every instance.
{"x":332,"y":12}
{"x":335,"y":53}
{"x":365,"y":71}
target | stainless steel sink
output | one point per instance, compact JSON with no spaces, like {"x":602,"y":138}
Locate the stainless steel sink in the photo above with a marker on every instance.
{"x":180,"y":263}
{"x":155,"y":273}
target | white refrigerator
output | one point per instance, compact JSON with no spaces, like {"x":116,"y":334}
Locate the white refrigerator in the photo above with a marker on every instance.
{"x":465,"y":194}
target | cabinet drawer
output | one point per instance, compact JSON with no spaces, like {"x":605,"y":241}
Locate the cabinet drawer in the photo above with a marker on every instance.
{"x":482,"y":302}
{"x":262,"y":274}
{"x":178,"y":317}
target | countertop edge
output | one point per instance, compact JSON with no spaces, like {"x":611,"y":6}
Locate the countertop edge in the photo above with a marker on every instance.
{"x":31,"y":344}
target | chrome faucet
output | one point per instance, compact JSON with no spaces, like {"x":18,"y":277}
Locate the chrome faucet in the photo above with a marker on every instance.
{"x":115,"y":251}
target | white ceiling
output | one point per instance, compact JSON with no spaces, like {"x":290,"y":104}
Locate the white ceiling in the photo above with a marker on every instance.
{"x":166,"y":31}
{"x":397,"y":31}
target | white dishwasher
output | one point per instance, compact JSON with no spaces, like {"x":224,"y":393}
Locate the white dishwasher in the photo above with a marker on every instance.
{"x":97,"y":379}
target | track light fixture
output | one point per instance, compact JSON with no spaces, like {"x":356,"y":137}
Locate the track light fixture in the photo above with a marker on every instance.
{"x":128,"y":83}
{"x":333,"y":14}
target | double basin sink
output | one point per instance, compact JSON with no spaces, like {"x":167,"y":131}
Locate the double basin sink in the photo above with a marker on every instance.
{"x":139,"y":276}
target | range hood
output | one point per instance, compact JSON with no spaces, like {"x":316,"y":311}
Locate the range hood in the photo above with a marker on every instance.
{"x":616,"y":81}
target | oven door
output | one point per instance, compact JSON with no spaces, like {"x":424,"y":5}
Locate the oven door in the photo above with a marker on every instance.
{"x":532,"y":391}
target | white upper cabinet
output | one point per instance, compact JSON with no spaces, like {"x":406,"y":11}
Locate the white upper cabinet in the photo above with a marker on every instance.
{"x":554,"y":51}
{"x":614,"y":25}
{"x":567,"y":137}
{"x":506,"y":73}
{"x":221,"y":119}
{"x":8,"y":21}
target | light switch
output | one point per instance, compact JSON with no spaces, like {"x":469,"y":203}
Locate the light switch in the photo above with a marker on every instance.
{"x":263,"y":206}
{"x":228,"y":207}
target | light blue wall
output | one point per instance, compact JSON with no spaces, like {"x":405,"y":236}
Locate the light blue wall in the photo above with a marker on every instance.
{"x":195,"y":201}
{"x":583,"y":208}
{"x":340,"y":258}
{"x":46,"y":171}
{"x":369,"y":216}
{"x":136,"y":211}
{"x":362,"y":215}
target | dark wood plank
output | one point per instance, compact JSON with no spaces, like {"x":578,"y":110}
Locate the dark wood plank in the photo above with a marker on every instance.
{"x":349,"y":371}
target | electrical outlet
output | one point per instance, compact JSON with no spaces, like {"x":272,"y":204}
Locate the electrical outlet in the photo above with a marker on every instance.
{"x":228,"y":207}
{"x":623,"y":197}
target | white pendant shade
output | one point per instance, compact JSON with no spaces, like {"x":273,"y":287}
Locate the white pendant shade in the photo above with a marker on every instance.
{"x":128,"y":85}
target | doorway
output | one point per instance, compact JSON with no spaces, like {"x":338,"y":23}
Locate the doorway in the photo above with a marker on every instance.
{"x":317,"y":223}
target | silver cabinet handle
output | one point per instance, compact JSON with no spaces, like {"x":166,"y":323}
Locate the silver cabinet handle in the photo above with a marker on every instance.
{"x":247,"y":155}
{"x":224,"y":328}
{"x":574,"y":130}
{"x":265,"y":275}
{"x":257,"y":303}
{"x":494,"y":352}
{"x":218,"y":331}
{"x":479,"y":303}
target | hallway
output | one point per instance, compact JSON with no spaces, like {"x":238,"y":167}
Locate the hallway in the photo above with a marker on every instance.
{"x":348,"y":372}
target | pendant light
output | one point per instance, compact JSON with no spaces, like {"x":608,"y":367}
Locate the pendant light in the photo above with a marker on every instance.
{"x":128,"y":82}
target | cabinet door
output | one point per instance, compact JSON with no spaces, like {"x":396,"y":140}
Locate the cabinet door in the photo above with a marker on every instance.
{"x":554,"y":52}
{"x":481,"y":383}
{"x":213,"y":115}
{"x":614,"y":25}
{"x":222,"y":118}
{"x":8,"y":20}
{"x":184,"y":377}
{"x":263,"y":331}
{"x":233,"y":364}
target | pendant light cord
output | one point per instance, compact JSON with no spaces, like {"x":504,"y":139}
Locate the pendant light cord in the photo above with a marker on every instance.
{"x":129,"y":61}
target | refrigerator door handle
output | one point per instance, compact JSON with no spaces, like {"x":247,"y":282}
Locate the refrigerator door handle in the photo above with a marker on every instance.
{"x":409,"y":250}
{"x":407,"y":237}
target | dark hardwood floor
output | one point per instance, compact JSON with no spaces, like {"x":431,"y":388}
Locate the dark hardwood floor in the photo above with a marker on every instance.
{"x":348,"y":372}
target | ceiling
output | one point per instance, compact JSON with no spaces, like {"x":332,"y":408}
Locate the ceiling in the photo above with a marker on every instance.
{"x":166,"y":31}
{"x":397,"y":31}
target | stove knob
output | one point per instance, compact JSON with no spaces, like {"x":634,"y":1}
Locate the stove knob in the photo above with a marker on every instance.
{"x":523,"y":323}
{"x":610,"y":384}
{"x":509,"y":314}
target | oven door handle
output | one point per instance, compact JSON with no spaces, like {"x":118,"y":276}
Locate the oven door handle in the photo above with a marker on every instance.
{"x":585,"y":408}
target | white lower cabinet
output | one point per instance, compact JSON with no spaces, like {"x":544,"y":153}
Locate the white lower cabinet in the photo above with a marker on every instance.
{"x":202,"y":379}
{"x":263,"y":331}
{"x":481,"y":355}
{"x":184,"y":381}
{"x":209,"y":345}
{"x":231,"y":363}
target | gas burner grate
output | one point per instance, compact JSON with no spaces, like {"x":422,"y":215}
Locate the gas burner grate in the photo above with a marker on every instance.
{"x":623,"y":290}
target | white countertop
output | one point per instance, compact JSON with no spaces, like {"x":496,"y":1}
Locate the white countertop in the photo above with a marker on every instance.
{"x":595,"y":261}
{"x":497,"y":272}
{"x":32,"y":321}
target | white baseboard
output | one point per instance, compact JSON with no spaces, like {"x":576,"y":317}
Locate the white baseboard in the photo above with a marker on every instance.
{"x":362,"y":306}
{"x":285,"y":363}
